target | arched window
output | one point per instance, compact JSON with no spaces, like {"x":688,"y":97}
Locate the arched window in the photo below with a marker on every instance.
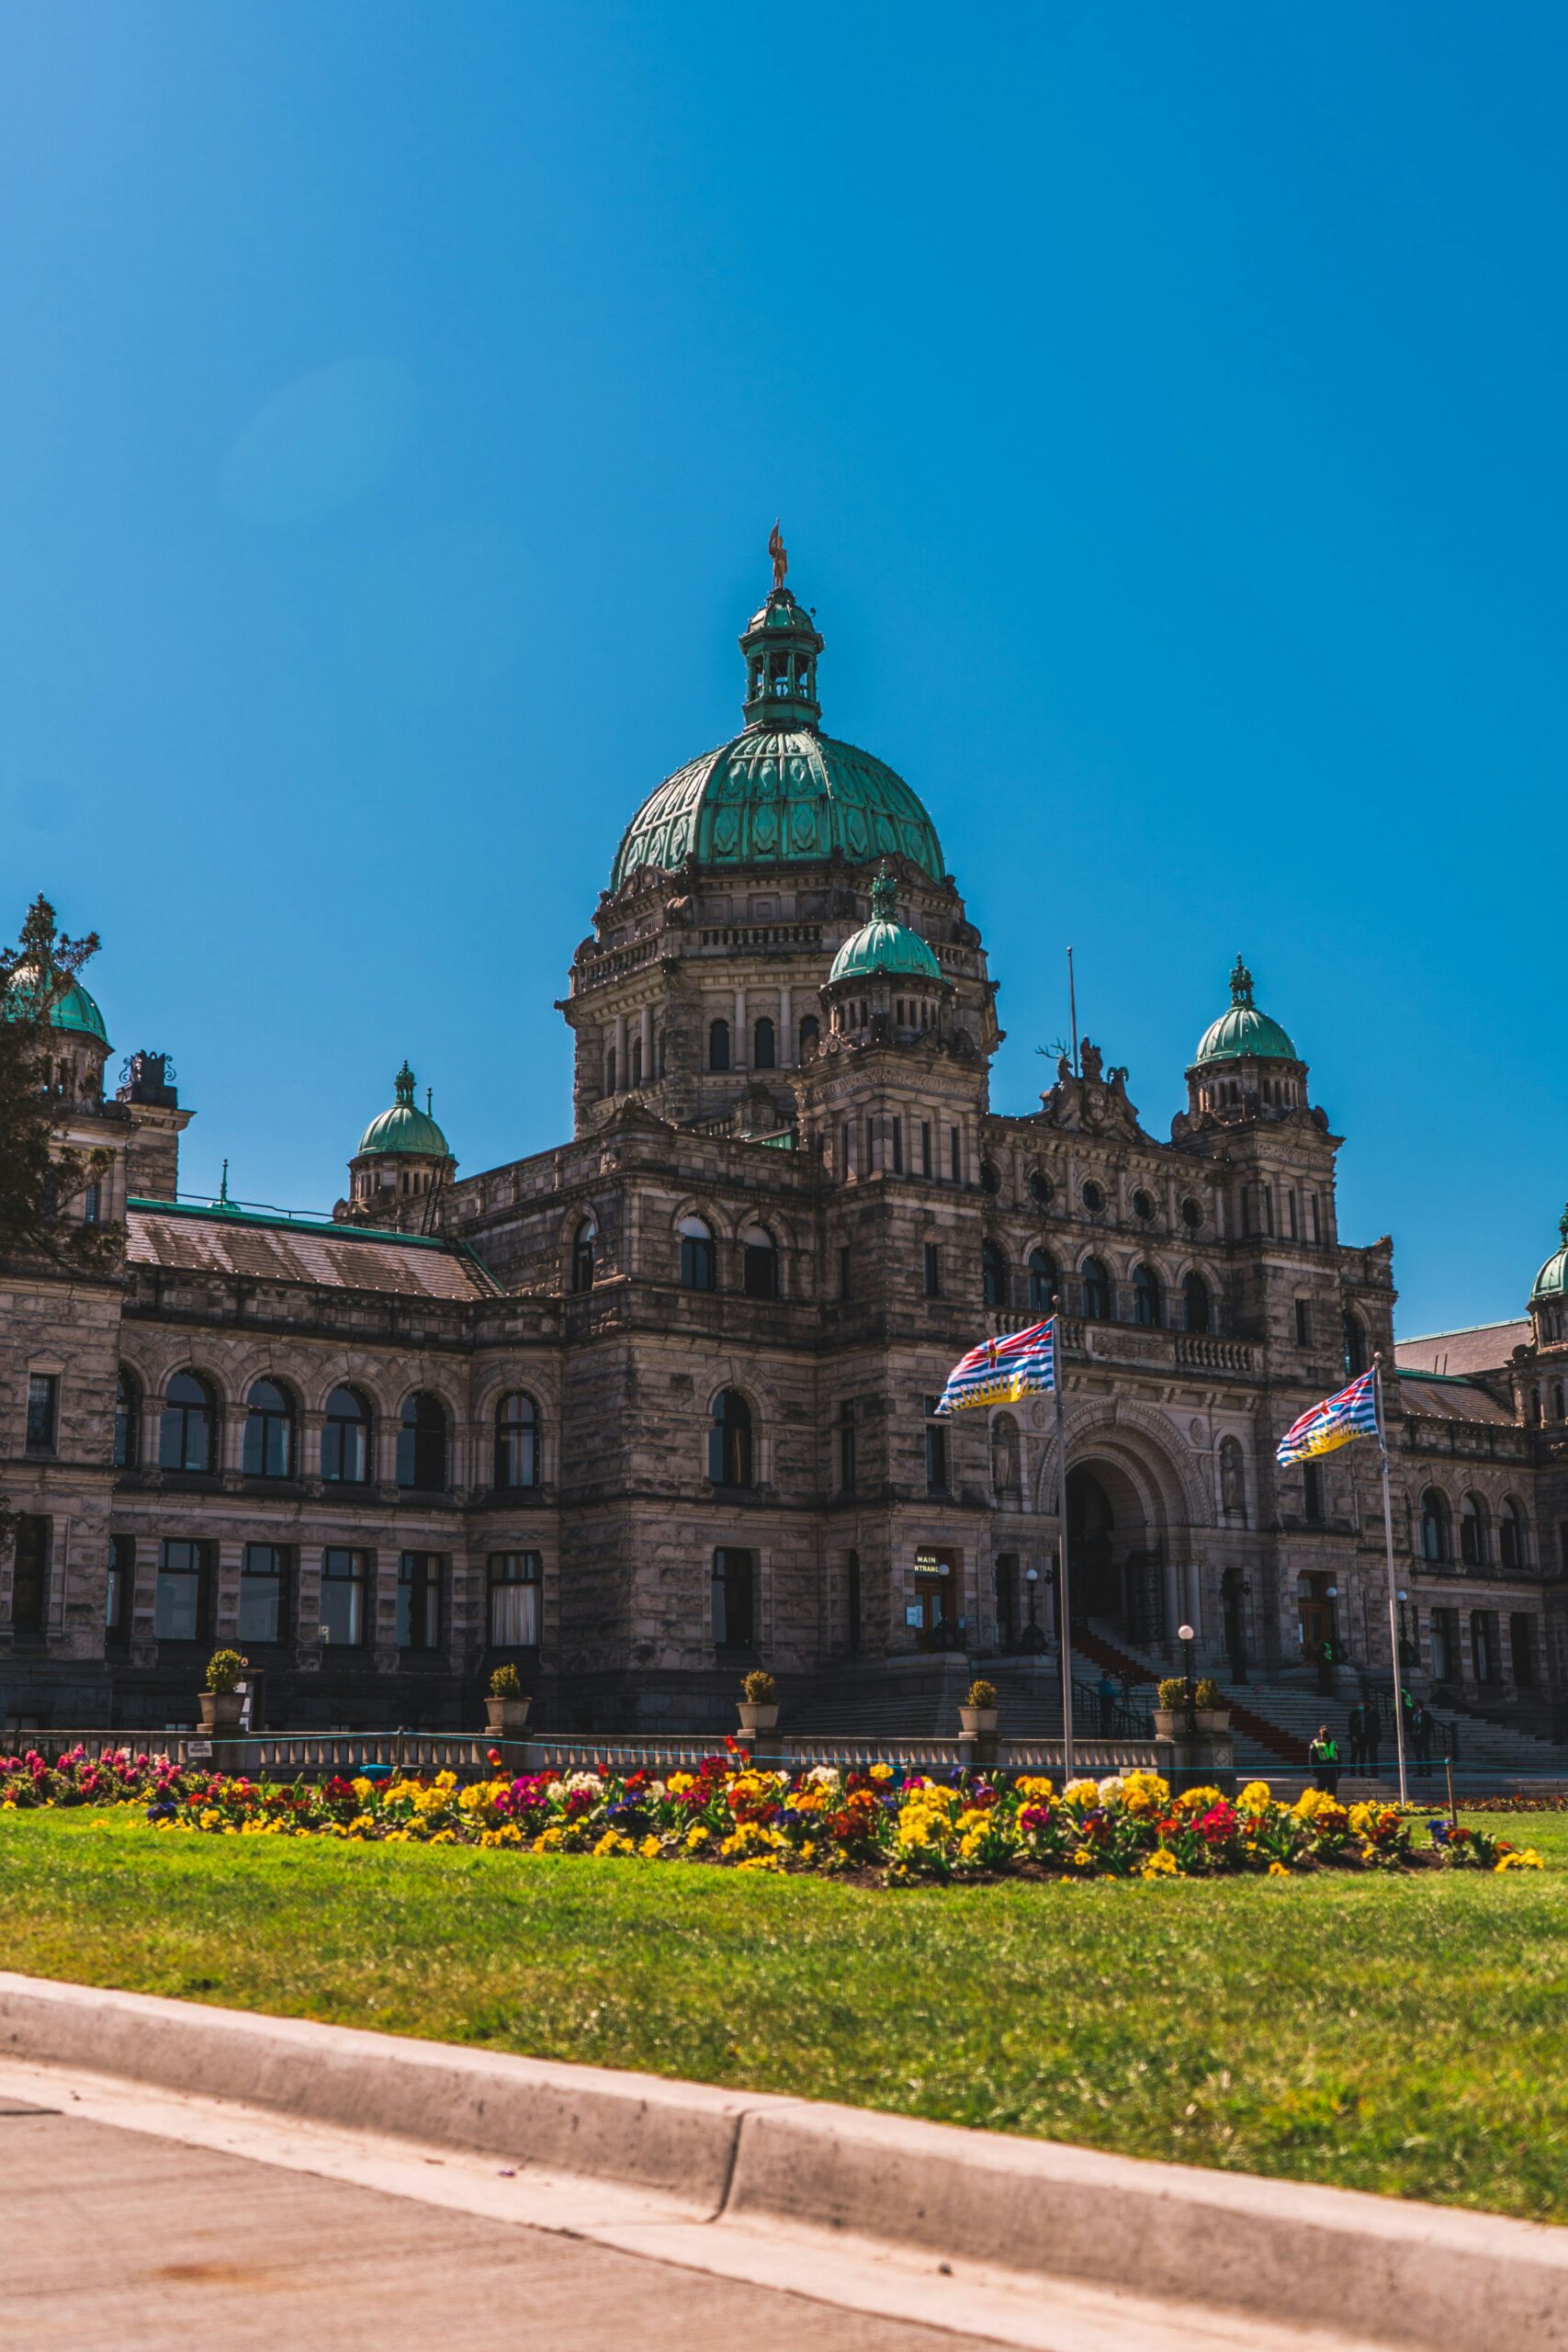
{"x":994,"y":1274}
{"x":421,"y":1444}
{"x":268,"y":1451}
{"x":729,"y":1440}
{"x":187,"y":1435}
{"x":810,"y":1032}
{"x":1435,"y":1545}
{"x":1041,"y":1282}
{"x":345,"y":1439}
{"x":760,"y":1259}
{"x":516,"y":1442}
{"x":1355,"y":1344}
{"x":1096,"y":1291}
{"x":1148,"y":1303}
{"x":1196,"y":1308}
{"x":1511,"y":1536}
{"x":764,"y":1051}
{"x":1473,"y":1544}
{"x":1007,"y":1456}
{"x":718,"y":1045}
{"x":583,"y":1242}
{"x":634,"y":1057}
{"x":127,"y":1420}
{"x":699,"y":1263}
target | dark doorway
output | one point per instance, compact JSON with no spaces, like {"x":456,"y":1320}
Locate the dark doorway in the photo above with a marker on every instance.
{"x":1096,"y":1583}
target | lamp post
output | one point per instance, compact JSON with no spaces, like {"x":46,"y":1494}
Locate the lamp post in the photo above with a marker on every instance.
{"x":1186,"y":1637}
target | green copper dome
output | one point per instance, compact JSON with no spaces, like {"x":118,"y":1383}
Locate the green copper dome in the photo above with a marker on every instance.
{"x":1244,"y":1034}
{"x":404,"y":1129}
{"x":884,"y":944}
{"x":781,"y":792}
{"x":73,"y":1009}
{"x":1552,"y":1280}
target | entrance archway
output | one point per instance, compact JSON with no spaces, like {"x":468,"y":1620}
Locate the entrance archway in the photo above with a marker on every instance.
{"x":1115,"y":1552}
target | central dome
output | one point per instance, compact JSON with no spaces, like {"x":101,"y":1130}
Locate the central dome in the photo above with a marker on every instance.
{"x":781,"y":792}
{"x":405,"y":1128}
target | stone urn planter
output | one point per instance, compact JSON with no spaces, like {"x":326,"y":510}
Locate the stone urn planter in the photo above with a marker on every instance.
{"x":220,"y":1711}
{"x":973,"y":1721}
{"x":1169,"y":1721}
{"x":754,"y":1717}
{"x":507,"y":1718}
{"x":1213,"y":1718}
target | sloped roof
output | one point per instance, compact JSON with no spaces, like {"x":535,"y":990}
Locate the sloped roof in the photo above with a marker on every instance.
{"x":283,"y":1249}
{"x":1430,"y":1397}
{"x":1485,"y":1347}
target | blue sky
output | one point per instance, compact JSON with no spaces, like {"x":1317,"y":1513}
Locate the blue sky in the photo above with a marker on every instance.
{"x":1164,"y":409}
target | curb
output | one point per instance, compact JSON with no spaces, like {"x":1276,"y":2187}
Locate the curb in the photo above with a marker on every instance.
{"x":1373,"y":2268}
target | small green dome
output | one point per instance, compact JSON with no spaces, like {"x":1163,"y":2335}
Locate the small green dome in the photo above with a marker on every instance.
{"x":1552,"y":1280}
{"x":781,"y":792}
{"x":73,"y":1009}
{"x":1244,"y":1034}
{"x":884,"y":944}
{"x":404,"y":1129}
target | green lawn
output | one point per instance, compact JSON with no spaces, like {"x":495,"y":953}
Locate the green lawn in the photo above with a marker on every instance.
{"x":1408,"y":2035}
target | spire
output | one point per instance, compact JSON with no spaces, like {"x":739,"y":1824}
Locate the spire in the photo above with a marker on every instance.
{"x":404,"y":1083}
{"x":1241,"y":984}
{"x":780,"y":645}
{"x":223,"y":1202}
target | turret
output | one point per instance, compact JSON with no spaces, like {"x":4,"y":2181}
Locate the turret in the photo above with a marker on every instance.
{"x":401,"y":1152}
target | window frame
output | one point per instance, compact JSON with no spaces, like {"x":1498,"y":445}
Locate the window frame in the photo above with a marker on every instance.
{"x":356,"y":1583}
{"x":279,"y":1577}
{"x":499,"y":1579}
{"x":733,"y":1580}
{"x":420,"y":1625}
{"x":127,"y":1420}
{"x":415,"y":1442}
{"x":516,"y":1434}
{"x":698,"y":1254}
{"x":196,"y":1570}
{"x":274,"y":1426}
{"x":731,"y":1441}
{"x":185,"y":1413}
{"x":333,"y":1426}
{"x":42,"y":1431}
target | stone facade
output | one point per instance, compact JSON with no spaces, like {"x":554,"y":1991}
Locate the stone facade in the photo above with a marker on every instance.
{"x":676,"y":1373}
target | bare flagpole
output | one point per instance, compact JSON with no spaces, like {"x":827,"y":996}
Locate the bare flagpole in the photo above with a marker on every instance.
{"x":1393,"y":1595}
{"x":1071,"y":1018}
{"x":1063,"y":1626}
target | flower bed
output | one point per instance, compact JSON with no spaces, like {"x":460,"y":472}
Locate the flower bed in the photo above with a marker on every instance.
{"x":871,"y":1823}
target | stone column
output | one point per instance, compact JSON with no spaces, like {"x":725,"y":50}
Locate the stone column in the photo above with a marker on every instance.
{"x":787,"y":1030}
{"x":645,"y":1038}
{"x":741,"y":1057}
{"x":618,"y":1038}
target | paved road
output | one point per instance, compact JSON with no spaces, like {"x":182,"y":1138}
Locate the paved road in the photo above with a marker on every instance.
{"x":113,"y":2241}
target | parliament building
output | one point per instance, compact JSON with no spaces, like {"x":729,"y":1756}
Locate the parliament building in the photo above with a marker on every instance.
{"x":656,"y":1406}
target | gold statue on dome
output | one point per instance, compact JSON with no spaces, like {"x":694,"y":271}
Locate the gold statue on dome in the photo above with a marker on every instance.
{"x":780,"y":554}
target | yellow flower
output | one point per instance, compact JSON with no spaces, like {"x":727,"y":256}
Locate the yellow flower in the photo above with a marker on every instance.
{"x":1278,"y":1870}
{"x":761,"y":1862}
{"x":611,"y":1844}
{"x":881,"y":1772}
{"x":1083,"y":1859}
{"x":1036,"y":1789}
{"x":1199,"y":1800}
{"x":548,"y":1841}
{"x":1254,"y":1798}
{"x":364,"y":1790}
{"x":1161,"y":1864}
{"x":679,"y":1782}
{"x":1081,"y":1793}
{"x":444,"y":1838}
{"x":697,"y":1837}
{"x":1527,"y":1861}
{"x":650,"y":1848}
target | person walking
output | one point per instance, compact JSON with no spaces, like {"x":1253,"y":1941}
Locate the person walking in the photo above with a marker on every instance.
{"x":1106,"y":1691}
{"x":1323,"y":1758}
{"x":1421,"y":1736}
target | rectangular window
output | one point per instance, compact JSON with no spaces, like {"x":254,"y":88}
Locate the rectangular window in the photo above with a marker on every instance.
{"x":844,"y":1150}
{"x":29,"y":1579}
{"x":1245,"y":1210}
{"x":734,"y":1614}
{"x":956,"y":1155}
{"x":1314,"y":1216}
{"x":180,"y":1612}
{"x":515,"y":1601}
{"x":853,"y":1600}
{"x":933,"y":1270}
{"x":344,"y":1578}
{"x":897,"y":1146}
{"x":846,"y":1273}
{"x":43,"y":1411}
{"x":120,"y":1588}
{"x":1291,"y":1213}
{"x":419,"y":1601}
{"x":1312,"y":1489}
{"x":936,"y":1450}
{"x":925,"y":1147}
{"x":1303,"y":1322}
{"x":1445,"y":1645}
{"x":264,"y":1593}
{"x":1265,"y":1202}
{"x":846,"y":1447}
{"x":91,"y":1205}
{"x":1521,"y":1644}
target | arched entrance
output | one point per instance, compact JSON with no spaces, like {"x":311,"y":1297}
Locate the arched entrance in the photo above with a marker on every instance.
{"x":1115,"y":1555}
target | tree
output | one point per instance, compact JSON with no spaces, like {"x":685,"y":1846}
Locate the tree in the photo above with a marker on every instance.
{"x":40,"y":1176}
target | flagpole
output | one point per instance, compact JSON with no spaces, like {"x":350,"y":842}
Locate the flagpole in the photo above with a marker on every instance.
{"x":1063,"y":1628}
{"x":1392,"y":1596}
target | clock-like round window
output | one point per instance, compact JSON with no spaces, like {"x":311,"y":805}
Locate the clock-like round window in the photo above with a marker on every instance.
{"x":1144,"y":1206}
{"x":1093,"y":1197}
{"x":1039,"y":1187}
{"x":1191,"y":1215}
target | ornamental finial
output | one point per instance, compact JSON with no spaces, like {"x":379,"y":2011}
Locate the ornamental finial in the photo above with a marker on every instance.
{"x":1562,"y":1226}
{"x":404,"y":1083}
{"x":780,"y":554}
{"x":1241,"y":984}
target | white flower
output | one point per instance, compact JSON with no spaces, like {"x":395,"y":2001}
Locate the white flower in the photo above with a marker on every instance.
{"x":825,"y":1776}
{"x":1111,"y":1789}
